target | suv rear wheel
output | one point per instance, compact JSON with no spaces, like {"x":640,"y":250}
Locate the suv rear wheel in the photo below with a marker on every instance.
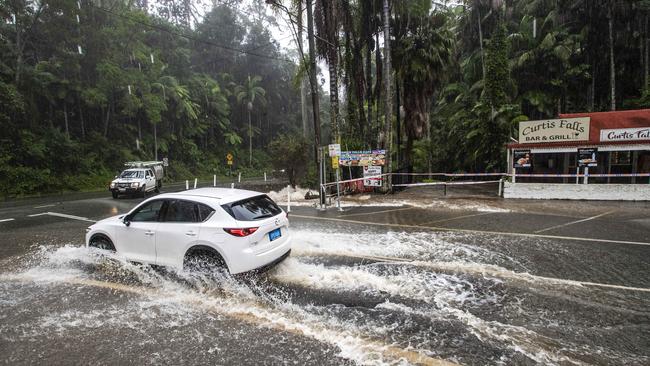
{"x":203,"y":259}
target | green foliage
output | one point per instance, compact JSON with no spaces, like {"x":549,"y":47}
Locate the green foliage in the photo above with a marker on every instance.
{"x":69,"y":120}
{"x":496,"y":67}
{"x":288,"y":152}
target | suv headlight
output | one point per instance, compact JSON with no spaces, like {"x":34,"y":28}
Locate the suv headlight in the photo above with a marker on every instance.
{"x":112,"y":184}
{"x":135,"y":185}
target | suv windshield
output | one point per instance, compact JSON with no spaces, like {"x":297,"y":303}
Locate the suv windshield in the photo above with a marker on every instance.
{"x":251,"y":209}
{"x":132,"y":174}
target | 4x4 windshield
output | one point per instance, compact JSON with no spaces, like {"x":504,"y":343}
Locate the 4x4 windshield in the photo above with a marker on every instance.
{"x":132,"y":174}
{"x":251,"y":209}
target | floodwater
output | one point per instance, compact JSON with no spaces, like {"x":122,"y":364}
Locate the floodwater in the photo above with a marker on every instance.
{"x":347,"y":295}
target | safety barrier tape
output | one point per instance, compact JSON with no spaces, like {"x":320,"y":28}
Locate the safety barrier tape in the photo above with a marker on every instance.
{"x":582,"y":175}
{"x":539,"y":175}
{"x":455,"y":174}
{"x":445,"y":183}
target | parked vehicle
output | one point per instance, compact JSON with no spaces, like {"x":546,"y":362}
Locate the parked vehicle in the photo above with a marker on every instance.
{"x":237,"y":229}
{"x":141,"y":178}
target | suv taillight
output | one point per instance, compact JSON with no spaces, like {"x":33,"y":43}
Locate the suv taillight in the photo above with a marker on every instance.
{"x":241,"y":232}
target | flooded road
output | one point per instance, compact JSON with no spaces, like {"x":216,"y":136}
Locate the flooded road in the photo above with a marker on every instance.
{"x":349,"y":294}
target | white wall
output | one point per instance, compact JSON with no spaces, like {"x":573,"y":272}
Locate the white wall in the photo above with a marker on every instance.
{"x":609,"y":192}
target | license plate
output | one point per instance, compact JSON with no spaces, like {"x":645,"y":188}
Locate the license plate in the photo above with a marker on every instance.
{"x":122,"y":189}
{"x":275,"y":234}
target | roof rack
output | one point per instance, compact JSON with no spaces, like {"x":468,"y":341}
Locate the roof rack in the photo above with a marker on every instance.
{"x":142,"y":164}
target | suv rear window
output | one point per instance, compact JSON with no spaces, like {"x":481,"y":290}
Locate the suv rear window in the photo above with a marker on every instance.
{"x":251,"y":209}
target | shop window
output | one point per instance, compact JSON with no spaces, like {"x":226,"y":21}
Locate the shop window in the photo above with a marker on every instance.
{"x":572,"y":160}
{"x":621,"y":157}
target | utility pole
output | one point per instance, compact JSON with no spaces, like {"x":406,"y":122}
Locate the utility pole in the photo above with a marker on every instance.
{"x":312,"y":78}
{"x":388,"y":136}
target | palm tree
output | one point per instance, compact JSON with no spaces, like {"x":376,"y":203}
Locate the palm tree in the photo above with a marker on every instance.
{"x":247,"y":93}
{"x":328,"y":25}
{"x":421,"y":55}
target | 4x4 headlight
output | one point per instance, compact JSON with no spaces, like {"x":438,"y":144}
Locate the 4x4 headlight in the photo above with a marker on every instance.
{"x":112,"y":184}
{"x":135,"y":185}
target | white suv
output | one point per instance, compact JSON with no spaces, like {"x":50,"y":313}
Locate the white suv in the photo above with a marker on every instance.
{"x":242,"y":230}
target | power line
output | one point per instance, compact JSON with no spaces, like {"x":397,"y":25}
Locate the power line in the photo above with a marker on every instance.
{"x":189,"y":37}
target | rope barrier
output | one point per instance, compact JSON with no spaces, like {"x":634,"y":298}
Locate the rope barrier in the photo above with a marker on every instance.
{"x":446,"y":183}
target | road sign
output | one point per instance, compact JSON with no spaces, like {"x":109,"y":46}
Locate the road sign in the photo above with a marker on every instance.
{"x":369,"y":171}
{"x":335,"y":162}
{"x":165,"y":161}
{"x":229,"y":157}
{"x":335,"y":149}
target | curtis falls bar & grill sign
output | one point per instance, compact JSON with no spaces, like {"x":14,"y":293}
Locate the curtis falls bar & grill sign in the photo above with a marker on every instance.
{"x":554,"y":130}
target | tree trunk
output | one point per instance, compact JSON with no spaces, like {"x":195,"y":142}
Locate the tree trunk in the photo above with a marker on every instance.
{"x":592,"y":92}
{"x":334,"y":95}
{"x":368,"y":87}
{"x":65,"y":118}
{"x":106,"y":121}
{"x":647,"y":54}
{"x":612,"y":67}
{"x":480,"y":40}
{"x":312,"y":79}
{"x":81,"y":120}
{"x":303,"y":82}
{"x":388,"y":126}
{"x":155,"y":142}
{"x":250,"y":140}
{"x":647,"y":57}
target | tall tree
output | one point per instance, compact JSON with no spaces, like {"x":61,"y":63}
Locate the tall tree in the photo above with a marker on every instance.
{"x":247,"y":93}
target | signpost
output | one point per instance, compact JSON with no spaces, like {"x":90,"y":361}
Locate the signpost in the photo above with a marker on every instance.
{"x":586,"y":158}
{"x":370,"y":171}
{"x":165,"y":162}
{"x":334,"y":152}
{"x":229,"y":158}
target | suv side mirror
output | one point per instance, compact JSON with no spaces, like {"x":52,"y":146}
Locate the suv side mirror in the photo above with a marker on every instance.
{"x":126,"y":220}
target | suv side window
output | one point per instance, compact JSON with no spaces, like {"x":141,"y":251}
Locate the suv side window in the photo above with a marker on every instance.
{"x":148,"y":212}
{"x":205,"y":211}
{"x":181,"y":211}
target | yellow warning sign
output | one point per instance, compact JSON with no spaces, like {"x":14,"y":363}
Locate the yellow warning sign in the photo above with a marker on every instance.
{"x":229,"y":157}
{"x":335,"y":162}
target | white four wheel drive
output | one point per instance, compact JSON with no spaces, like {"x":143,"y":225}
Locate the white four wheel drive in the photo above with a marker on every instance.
{"x":141,"y":178}
{"x":207,"y":227}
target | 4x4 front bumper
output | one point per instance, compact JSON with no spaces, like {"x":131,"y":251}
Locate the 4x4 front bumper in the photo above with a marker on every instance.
{"x":128,"y":190}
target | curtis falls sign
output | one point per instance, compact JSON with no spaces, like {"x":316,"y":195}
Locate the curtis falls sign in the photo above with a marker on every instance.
{"x":554,"y":130}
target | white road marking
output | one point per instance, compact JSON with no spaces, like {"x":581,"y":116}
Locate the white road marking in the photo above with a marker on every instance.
{"x":52,"y":205}
{"x":66,"y":216}
{"x":377,"y":212}
{"x":5,"y":220}
{"x":574,"y":222}
{"x":434,"y":228}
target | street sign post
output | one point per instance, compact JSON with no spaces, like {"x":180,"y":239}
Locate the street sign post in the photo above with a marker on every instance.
{"x":229,"y":158}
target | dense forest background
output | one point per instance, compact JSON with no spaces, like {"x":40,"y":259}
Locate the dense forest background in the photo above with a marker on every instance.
{"x":86,"y":85}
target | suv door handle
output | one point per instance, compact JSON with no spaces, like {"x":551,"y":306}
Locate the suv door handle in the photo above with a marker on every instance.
{"x":149,"y":233}
{"x":190,"y":233}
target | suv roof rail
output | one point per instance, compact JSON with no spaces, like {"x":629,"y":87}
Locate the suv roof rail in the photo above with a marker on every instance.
{"x":142,"y":164}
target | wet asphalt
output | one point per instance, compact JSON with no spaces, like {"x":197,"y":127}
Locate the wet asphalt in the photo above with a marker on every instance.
{"x":456,"y":279}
